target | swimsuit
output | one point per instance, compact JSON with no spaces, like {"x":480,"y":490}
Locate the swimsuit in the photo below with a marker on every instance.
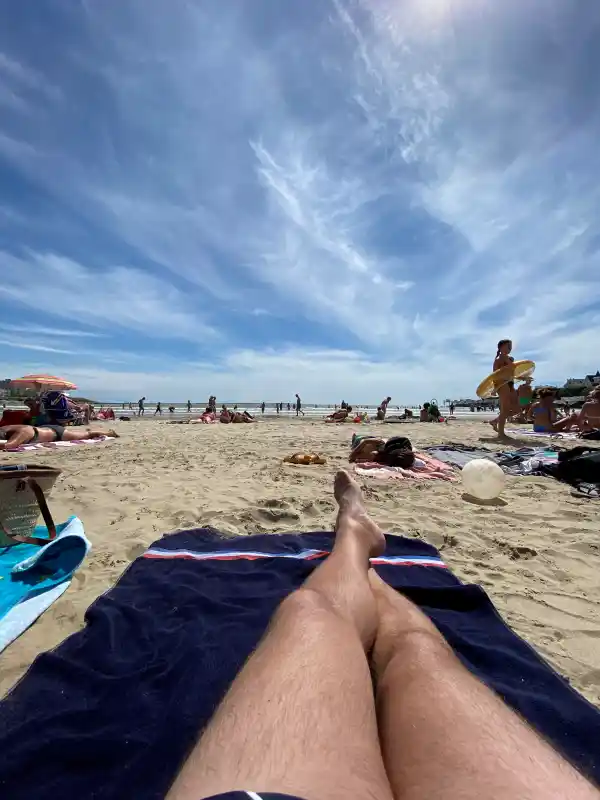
{"x":252,"y":796}
{"x":537,"y":428}
{"x":524,"y":401}
{"x":58,"y":432}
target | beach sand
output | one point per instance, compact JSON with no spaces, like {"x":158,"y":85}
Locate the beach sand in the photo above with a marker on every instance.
{"x":538,"y":556}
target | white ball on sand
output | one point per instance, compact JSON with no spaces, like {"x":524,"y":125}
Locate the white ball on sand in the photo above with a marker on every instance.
{"x":483,"y":479}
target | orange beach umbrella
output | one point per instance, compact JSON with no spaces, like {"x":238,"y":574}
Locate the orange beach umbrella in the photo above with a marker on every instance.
{"x":39,"y":382}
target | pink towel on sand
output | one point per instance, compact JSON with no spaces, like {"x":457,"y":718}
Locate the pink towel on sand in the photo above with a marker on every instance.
{"x":55,"y":445}
{"x":432,"y":469}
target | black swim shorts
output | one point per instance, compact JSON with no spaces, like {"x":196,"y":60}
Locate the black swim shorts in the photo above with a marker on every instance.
{"x":58,"y":431}
{"x":251,"y":796}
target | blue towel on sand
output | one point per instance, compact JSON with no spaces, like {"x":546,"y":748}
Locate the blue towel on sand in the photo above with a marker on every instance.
{"x":32,"y":577}
{"x":114,"y":710}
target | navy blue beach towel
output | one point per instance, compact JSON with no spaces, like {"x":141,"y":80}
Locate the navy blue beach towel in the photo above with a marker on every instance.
{"x":113,"y":711}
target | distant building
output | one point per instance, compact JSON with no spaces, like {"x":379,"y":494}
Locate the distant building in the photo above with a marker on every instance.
{"x":588,"y":380}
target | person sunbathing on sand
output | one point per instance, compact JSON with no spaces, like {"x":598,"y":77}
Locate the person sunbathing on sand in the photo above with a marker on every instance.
{"x":394,"y":452}
{"x":589,"y":416}
{"x":17,"y":435}
{"x":367,"y":449}
{"x":227,"y":416}
{"x":545,"y":416}
{"x":339,"y":416}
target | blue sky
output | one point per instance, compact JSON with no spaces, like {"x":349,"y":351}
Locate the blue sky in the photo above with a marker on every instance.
{"x":344,"y":198}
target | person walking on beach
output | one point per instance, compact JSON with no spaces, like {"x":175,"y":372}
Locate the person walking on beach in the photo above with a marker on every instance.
{"x":189,"y":406}
{"x":505,"y":389}
{"x":451,"y":409}
{"x":141,"y":409}
{"x":299,"y":406}
{"x":158,"y":409}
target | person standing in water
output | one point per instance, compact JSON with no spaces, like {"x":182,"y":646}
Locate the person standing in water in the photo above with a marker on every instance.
{"x":382,"y":409}
{"x":158,"y":409}
{"x":505,"y":389}
{"x":299,"y":406}
{"x":262,"y":407}
{"x":141,"y":409}
{"x":189,"y":406}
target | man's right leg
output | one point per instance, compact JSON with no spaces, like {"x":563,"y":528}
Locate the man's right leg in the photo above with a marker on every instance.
{"x":300,"y":716}
{"x":443,"y":733}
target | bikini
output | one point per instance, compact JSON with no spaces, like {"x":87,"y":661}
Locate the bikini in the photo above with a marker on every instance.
{"x":540,"y":428}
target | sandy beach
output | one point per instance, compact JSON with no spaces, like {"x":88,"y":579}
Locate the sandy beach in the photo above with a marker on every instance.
{"x":538,"y":556}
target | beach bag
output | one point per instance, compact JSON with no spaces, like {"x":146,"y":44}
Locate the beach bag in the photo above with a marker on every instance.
{"x":23,"y":489}
{"x":581,"y":464}
{"x":593,"y":435}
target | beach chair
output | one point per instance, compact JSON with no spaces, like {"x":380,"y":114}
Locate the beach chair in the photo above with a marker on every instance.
{"x":61,"y":410}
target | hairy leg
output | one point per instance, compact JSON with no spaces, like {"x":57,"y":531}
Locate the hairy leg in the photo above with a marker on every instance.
{"x":444,"y":733}
{"x":300,"y":716}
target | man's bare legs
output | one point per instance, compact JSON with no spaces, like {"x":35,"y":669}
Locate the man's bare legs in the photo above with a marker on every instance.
{"x":443,"y":733}
{"x":76,"y":434}
{"x":300,"y":716}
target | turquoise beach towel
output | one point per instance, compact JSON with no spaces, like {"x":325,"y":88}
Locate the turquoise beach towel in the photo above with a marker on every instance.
{"x":33,"y":577}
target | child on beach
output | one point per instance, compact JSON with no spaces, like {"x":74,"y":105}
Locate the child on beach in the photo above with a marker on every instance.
{"x":504,"y":389}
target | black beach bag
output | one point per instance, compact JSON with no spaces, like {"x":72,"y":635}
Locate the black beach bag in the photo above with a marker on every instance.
{"x":581,"y":464}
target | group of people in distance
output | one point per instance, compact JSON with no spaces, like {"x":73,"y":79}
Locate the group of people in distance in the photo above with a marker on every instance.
{"x":539,"y":406}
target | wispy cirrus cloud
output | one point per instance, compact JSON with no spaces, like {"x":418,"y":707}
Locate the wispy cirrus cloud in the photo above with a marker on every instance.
{"x":119,"y":297}
{"x":406,"y":180}
{"x":39,"y":330}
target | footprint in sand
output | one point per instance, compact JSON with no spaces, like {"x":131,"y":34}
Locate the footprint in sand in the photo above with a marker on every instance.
{"x":135,"y":551}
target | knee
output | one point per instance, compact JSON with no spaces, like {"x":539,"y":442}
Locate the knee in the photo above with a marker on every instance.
{"x":305,"y":606}
{"x":418,"y":653}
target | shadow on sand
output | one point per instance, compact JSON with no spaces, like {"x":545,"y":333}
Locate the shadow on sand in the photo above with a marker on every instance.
{"x":497,"y":502}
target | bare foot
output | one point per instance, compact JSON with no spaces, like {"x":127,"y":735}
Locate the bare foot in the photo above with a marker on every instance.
{"x":494,"y":424}
{"x":398,"y":616}
{"x":352,"y":517}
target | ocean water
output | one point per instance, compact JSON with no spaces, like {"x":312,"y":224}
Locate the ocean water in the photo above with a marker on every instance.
{"x":310,"y":410}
